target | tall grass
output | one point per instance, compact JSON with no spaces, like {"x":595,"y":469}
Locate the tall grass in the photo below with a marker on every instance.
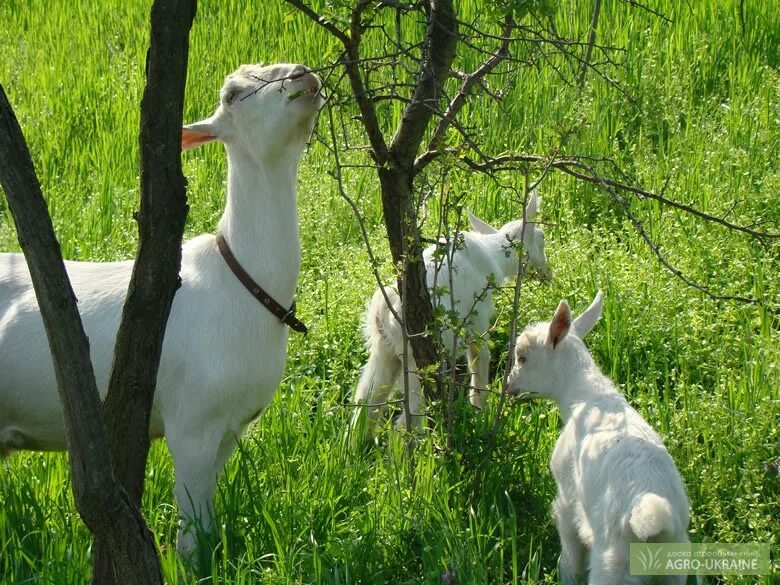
{"x":297,"y":504}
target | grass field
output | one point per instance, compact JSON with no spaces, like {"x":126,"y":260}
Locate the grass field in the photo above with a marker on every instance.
{"x":297,"y":504}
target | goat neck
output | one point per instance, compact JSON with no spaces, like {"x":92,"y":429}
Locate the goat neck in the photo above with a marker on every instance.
{"x":583,"y":386}
{"x":260,"y":222}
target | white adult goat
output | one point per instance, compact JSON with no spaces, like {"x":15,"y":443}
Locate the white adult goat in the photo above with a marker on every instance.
{"x":224,"y":353}
{"x":468,"y":265}
{"x":617,"y":483}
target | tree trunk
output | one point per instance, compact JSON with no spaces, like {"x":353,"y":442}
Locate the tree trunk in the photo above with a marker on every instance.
{"x":155,"y":277}
{"x":100,"y":499}
{"x":403,"y":235}
{"x":397,"y":181}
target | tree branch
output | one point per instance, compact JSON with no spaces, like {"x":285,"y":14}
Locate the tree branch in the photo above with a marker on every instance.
{"x":662,"y":259}
{"x":457,"y":103}
{"x":442,"y":39}
{"x":350,"y":59}
{"x":569,"y":167}
{"x":320,"y":20}
{"x":646,"y":8}
{"x":361,"y":222}
{"x":591,"y":42}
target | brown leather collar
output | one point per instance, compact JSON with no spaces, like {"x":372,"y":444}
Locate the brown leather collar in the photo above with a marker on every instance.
{"x":286,"y":316}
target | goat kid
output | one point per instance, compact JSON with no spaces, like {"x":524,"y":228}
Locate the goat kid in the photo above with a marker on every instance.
{"x":617,"y":483}
{"x":224,"y":354}
{"x":468,"y":266}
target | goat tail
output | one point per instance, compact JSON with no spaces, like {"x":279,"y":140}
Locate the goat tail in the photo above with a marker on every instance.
{"x":651,"y":516}
{"x":380,"y":327}
{"x":384,"y":341}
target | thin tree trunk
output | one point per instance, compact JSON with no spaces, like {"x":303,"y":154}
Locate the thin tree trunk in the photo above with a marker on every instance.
{"x":398,"y":182}
{"x":100,"y":499}
{"x":155,"y":277}
{"x":403,"y":234}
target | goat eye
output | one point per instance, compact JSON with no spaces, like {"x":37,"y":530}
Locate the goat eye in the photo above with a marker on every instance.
{"x":521,"y":359}
{"x":232,"y":95}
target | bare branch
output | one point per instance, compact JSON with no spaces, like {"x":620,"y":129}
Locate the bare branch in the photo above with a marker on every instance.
{"x":646,"y":8}
{"x":591,"y":41}
{"x":594,"y":178}
{"x":356,"y":211}
{"x":530,"y":35}
{"x":639,"y":227}
{"x":351,"y":60}
{"x":564,"y":46}
{"x":455,"y":105}
{"x":569,"y":167}
{"x":674,"y":270}
{"x":442,"y":39}
{"x":521,"y":270}
{"x":320,"y":20}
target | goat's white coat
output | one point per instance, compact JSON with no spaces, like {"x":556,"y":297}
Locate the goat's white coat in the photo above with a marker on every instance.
{"x":483,"y":252}
{"x":617,"y":483}
{"x":224,"y":354}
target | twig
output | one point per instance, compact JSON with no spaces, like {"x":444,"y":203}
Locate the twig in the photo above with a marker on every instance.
{"x":361,"y":221}
{"x":639,"y":227}
{"x":351,"y":60}
{"x":569,"y":167}
{"x":321,"y":21}
{"x":591,"y":41}
{"x":521,"y":270}
{"x":646,"y":8}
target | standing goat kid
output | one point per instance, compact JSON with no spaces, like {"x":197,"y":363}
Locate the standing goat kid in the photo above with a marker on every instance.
{"x":617,"y":483}
{"x":459,"y":280}
{"x":224,"y":353}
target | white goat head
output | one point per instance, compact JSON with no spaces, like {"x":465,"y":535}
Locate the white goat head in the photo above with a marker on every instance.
{"x":520,"y":230}
{"x":548,"y":354}
{"x":268,"y":131}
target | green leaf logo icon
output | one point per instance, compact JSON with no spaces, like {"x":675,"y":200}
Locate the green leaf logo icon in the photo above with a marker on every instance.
{"x":650,"y":559}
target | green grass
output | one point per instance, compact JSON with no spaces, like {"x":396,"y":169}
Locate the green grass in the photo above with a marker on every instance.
{"x":297,"y":504}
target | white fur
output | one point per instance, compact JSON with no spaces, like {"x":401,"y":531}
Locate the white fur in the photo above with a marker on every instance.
{"x":224,"y":354}
{"x":483,"y":252}
{"x":617,"y":483}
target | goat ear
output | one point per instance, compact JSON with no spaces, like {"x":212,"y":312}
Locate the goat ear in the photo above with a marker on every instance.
{"x":481,"y":226}
{"x":202,"y":132}
{"x":559,"y":326}
{"x":585,"y":322}
{"x":533,"y":205}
